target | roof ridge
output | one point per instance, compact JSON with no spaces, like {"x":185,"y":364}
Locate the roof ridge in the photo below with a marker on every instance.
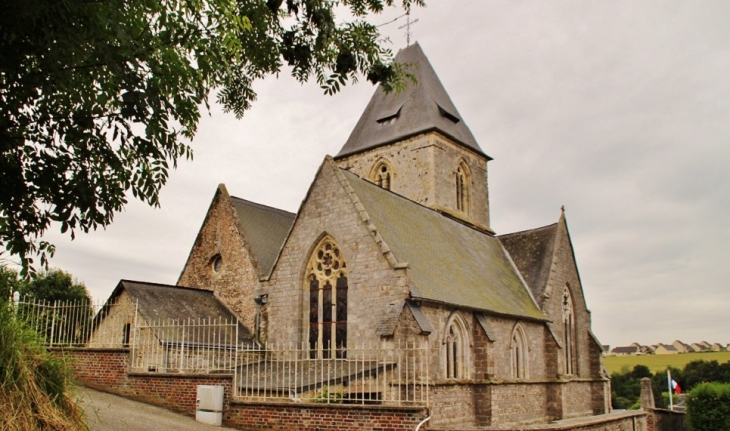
{"x":171,"y":286}
{"x":263,"y":207}
{"x":528,"y":230}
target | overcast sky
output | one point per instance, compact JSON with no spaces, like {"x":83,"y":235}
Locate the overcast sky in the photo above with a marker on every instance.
{"x":619,"y":110}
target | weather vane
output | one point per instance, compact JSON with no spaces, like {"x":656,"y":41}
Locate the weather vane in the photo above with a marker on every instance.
{"x":407,"y":26}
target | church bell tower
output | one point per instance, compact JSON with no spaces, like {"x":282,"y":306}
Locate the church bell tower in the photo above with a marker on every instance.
{"x":416,"y":144}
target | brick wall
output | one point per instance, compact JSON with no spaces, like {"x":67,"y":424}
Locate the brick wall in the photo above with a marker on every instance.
{"x":106,"y":370}
{"x":295,"y":417}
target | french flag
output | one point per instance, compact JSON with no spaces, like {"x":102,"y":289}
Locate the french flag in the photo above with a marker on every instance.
{"x":676,"y":387}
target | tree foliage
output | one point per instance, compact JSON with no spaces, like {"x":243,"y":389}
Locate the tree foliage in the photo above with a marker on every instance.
{"x":626,"y":385}
{"x":708,"y":407}
{"x":99,"y":98}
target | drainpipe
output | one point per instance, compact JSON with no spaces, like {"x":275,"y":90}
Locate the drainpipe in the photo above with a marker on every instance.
{"x":423,"y":422}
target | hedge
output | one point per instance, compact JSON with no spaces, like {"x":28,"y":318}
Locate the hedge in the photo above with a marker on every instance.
{"x":708,"y":407}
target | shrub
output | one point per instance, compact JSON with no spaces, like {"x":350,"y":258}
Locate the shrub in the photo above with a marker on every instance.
{"x":708,"y":407}
{"x":34,"y":384}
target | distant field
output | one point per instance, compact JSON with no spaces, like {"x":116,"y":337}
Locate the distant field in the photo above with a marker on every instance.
{"x":661,"y":362}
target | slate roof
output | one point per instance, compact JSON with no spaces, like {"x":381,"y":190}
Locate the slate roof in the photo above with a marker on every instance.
{"x":532,"y":252}
{"x":449,"y":262}
{"x":265,"y":229}
{"x":164,"y":302}
{"x":420,"y":108}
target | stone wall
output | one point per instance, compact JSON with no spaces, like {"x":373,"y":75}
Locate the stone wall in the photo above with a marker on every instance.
{"x":424,"y":170}
{"x":234,"y":284}
{"x":625,"y":421}
{"x":564,"y":272}
{"x":373,"y":283}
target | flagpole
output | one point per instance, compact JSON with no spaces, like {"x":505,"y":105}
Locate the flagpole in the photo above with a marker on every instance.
{"x":669,"y":382}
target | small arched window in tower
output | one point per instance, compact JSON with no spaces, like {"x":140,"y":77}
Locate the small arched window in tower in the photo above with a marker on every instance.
{"x":326,"y":280}
{"x":456,"y":348}
{"x":518,"y":353}
{"x":462,"y":187}
{"x":569,"y":347}
{"x":382,"y":175}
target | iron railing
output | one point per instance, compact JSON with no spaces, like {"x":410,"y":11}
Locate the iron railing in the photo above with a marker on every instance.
{"x":395,"y":374}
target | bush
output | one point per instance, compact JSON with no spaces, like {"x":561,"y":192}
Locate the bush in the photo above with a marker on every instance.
{"x":34,"y":384}
{"x":708,"y":407}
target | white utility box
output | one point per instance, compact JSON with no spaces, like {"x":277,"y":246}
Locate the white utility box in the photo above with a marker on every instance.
{"x":209,"y":405}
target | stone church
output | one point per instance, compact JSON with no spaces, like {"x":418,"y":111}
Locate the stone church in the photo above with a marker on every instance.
{"x":393,"y":243}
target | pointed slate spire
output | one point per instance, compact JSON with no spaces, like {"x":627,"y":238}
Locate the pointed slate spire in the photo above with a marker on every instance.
{"x":422,"y":107}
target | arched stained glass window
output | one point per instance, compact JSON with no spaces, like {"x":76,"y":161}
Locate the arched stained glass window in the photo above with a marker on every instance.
{"x":326,"y":281}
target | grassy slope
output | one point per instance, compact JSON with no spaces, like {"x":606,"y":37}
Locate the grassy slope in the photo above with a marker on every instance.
{"x":661,"y":362}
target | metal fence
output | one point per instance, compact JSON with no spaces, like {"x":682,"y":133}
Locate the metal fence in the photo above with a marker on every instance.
{"x":370,"y":374}
{"x":387,"y":374}
{"x":74,"y":323}
{"x":185,"y":346}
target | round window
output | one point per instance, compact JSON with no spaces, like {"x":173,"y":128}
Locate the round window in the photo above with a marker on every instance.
{"x":217,"y":263}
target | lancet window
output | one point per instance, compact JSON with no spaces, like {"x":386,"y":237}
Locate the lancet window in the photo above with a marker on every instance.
{"x":462,"y":187}
{"x":518,"y":353}
{"x":382,"y":175}
{"x":327,"y":284}
{"x":569,"y":347}
{"x":456,"y":349}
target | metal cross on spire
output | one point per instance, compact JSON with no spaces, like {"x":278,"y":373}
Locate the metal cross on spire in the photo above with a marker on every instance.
{"x":407,"y":26}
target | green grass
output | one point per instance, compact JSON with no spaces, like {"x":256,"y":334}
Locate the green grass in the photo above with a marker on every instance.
{"x":661,"y":362}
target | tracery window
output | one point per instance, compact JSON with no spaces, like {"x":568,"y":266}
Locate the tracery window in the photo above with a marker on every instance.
{"x":569,"y":348}
{"x":327,"y":284}
{"x":382,"y":175}
{"x":456,"y":349}
{"x":462,"y":187}
{"x":518,"y":353}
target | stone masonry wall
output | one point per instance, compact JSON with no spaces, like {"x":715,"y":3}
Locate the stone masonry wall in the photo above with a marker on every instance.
{"x":626,"y":421}
{"x":372,"y":282}
{"x":237,"y":279}
{"x":518,"y":404}
{"x":564,"y":273}
{"x":423,"y":170}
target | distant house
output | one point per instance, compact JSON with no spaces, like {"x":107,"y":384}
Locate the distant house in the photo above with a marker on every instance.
{"x":707,"y":345}
{"x":697,"y":347}
{"x":666,"y":349}
{"x":717,"y":347}
{"x":626,"y":350}
{"x":680,"y":346}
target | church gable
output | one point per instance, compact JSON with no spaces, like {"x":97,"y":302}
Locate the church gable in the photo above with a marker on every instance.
{"x":220,"y":260}
{"x":565,"y":304}
{"x":331,"y":213}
